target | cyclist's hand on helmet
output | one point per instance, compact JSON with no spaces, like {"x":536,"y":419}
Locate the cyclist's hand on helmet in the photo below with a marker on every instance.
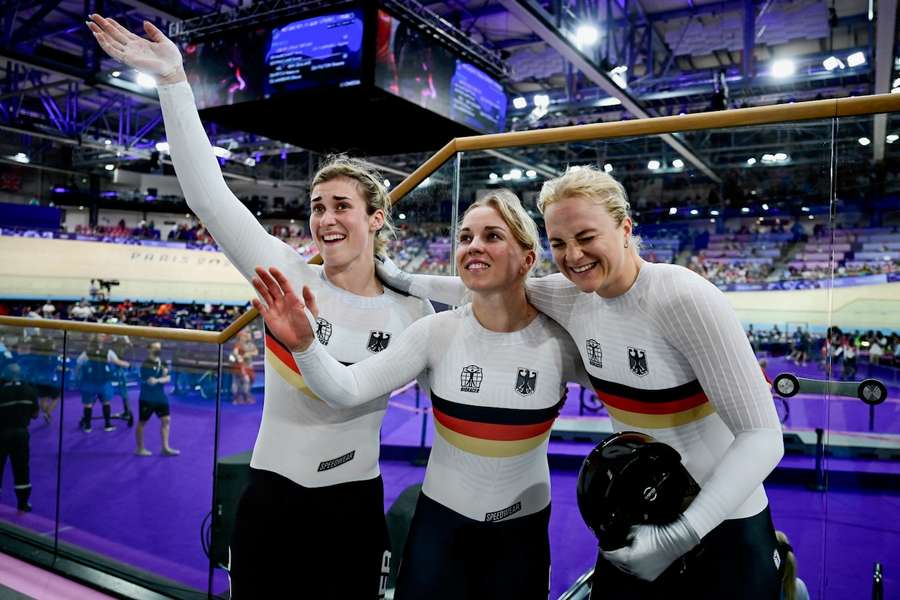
{"x":155,"y":55}
{"x":290,"y":318}
{"x":653,"y":548}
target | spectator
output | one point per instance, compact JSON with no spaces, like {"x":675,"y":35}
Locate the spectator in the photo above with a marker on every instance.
{"x":48,"y":310}
{"x":18,"y":406}
{"x":792,"y":587}
{"x":153,"y":400}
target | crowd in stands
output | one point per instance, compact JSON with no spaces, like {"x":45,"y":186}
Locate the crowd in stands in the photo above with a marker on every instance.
{"x":207,"y":317}
{"x":841,"y":352}
{"x":771,"y":251}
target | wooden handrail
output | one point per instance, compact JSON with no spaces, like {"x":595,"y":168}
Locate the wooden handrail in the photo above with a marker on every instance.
{"x":158,"y":333}
{"x":741,"y":117}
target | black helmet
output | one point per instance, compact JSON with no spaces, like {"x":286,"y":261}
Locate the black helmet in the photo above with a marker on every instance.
{"x":631,"y":479}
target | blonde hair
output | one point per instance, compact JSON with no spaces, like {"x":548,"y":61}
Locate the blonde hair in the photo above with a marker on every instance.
{"x":520,"y":223}
{"x":789,"y":566}
{"x":369,"y":183}
{"x":592,"y":184}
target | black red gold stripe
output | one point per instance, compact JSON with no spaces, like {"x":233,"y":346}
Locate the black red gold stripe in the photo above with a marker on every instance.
{"x":655,"y":409}
{"x":492,"y":431}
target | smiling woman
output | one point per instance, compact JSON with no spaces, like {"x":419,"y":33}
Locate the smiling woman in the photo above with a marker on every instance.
{"x":667,"y":355}
{"x":498,"y":371}
{"x":309,"y":458}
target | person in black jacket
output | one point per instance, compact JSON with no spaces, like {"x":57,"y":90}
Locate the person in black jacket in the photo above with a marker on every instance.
{"x":18,"y":406}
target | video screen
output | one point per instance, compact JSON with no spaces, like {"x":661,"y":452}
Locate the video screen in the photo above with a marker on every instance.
{"x":247,"y":65}
{"x":412,"y":65}
{"x":322,"y":51}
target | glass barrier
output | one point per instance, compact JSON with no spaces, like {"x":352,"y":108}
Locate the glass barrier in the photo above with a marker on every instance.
{"x":740,"y":219}
{"x":31,"y":415}
{"x":138,"y":435}
{"x":862,"y":354}
{"x":242,"y":405}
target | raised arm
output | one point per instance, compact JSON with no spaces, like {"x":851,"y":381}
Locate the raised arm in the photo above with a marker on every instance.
{"x":235,"y":229}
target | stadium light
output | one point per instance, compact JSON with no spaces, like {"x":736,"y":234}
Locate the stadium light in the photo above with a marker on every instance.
{"x":515,"y":173}
{"x":251,"y":162}
{"x":654,"y":165}
{"x":107,"y":142}
{"x":694,"y":211}
{"x":856,"y":59}
{"x":783,"y":67}
{"x":751,"y":161}
{"x":804,"y":208}
{"x":116,"y":73}
{"x":493,"y":177}
{"x":531,"y":173}
{"x":507,"y":177}
{"x":833,"y":62}
{"x":765,"y":207}
{"x":745,"y":209}
{"x":780,"y":156}
{"x":541,"y":100}
{"x":608,"y":168}
{"x":221,"y":152}
{"x":519,"y":102}
{"x":714,"y":213}
{"x":864,"y":141}
{"x":162,"y":146}
{"x":110,"y":167}
{"x":387,"y":183}
{"x":21,"y":157}
{"x":402,"y":216}
{"x":768,"y":158}
{"x":145,"y":81}
{"x":892,"y":138}
{"x":673,"y":210}
{"x":678,"y":163}
{"x":712,"y":220}
{"x":586,"y":35}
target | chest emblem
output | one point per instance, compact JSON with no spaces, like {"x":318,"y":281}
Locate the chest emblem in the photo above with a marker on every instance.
{"x":323,"y":331}
{"x":470,"y":379}
{"x":378,"y":341}
{"x":637,"y":361}
{"x":526,"y":380}
{"x":594,"y":353}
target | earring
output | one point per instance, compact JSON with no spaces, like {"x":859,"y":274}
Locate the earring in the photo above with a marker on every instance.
{"x":626,"y":242}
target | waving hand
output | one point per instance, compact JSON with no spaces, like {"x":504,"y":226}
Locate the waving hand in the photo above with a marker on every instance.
{"x":155,"y":55}
{"x":285,"y":313}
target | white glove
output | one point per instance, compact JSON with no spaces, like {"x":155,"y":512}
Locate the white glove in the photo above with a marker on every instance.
{"x":391,"y":274}
{"x":653,"y":548}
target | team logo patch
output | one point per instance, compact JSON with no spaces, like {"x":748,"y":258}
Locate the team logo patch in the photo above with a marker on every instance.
{"x":637,"y":361}
{"x":525,"y":381}
{"x":323,"y":331}
{"x":594,"y":353}
{"x":470,"y":379}
{"x":777,"y":559}
{"x":336,"y":462}
{"x":378,"y":341}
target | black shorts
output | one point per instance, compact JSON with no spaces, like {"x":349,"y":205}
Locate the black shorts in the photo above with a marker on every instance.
{"x":47,"y":390}
{"x":148,"y":409}
{"x":292,"y":541}
{"x":735,"y":560}
{"x":449,"y":556}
